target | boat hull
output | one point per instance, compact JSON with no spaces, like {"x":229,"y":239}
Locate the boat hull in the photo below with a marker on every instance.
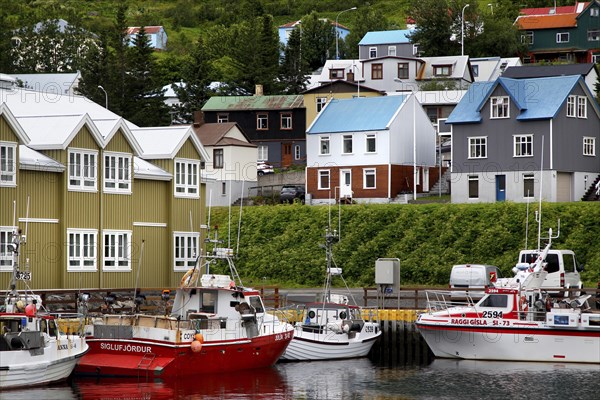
{"x":512,"y":344}
{"x":164,"y":360}
{"x":328,"y":346}
{"x":25,"y":368}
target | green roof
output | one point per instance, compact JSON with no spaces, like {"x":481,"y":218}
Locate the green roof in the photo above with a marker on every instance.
{"x":283,"y":102}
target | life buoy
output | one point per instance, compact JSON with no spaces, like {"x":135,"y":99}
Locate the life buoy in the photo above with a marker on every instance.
{"x":189,"y":277}
{"x":523,"y":304}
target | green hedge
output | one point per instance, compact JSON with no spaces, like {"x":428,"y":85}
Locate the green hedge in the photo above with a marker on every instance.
{"x":281,"y":244}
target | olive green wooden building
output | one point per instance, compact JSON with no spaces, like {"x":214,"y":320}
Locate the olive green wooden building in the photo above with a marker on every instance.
{"x":98,"y":197}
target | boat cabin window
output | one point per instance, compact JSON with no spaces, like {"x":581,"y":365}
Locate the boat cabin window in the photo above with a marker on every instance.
{"x":494,"y":300}
{"x":208,"y":300}
{"x":256,"y":303}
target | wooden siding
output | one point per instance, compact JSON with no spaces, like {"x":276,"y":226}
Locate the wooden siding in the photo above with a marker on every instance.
{"x":6,"y":133}
{"x":188,"y":150}
{"x":151,"y":200}
{"x":156,"y":266}
{"x":84,"y":140}
{"x":119,"y":143}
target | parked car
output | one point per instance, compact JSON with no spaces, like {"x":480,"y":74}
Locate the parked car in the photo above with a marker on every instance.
{"x":472,"y":276}
{"x":289,"y":193}
{"x":263,"y":168}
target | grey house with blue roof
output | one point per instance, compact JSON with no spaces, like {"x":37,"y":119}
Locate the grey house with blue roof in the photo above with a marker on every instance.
{"x":370,"y":149}
{"x":512,"y":138}
{"x":386,"y":43}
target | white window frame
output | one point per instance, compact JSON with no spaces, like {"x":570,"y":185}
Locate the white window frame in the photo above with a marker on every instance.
{"x":347,"y":140}
{"x":321,"y":101}
{"x":472,"y":178}
{"x":526,"y":179}
{"x":475,"y":143}
{"x":324,"y":145}
{"x":415,"y":49}
{"x":589,"y":146}
{"x":581,"y":107}
{"x":187,"y":178}
{"x":262,"y":121}
{"x":499,"y":107}
{"x":392,"y":51}
{"x":186,"y":247}
{"x":594,"y":11}
{"x":324,"y":173}
{"x":84,"y":254}
{"x":371,"y":137}
{"x":84,"y":172}
{"x":117,"y":172}
{"x":297,"y":153}
{"x":571,"y":106}
{"x":222,"y":118}
{"x":527,"y":37}
{"x":6,"y":255}
{"x":593,"y":35}
{"x":8,"y":164}
{"x":263,"y":152}
{"x":522,"y":143}
{"x":116,"y":249}
{"x":562,"y":37}
{"x":372,"y":52}
{"x":596,"y":58}
{"x":368,"y":172}
{"x":286,"y":121}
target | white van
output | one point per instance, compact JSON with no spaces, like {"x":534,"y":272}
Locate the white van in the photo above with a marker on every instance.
{"x":472,"y":276}
{"x":562,"y":267}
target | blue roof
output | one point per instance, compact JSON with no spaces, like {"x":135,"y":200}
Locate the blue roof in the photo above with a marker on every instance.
{"x":536,"y":98}
{"x":357,"y":114}
{"x":386,"y":37}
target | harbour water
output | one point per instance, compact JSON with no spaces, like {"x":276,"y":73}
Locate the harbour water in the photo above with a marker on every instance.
{"x":350,"y":379}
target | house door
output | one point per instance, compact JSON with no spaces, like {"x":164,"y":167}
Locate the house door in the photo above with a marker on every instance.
{"x":563,"y":186}
{"x":426,"y":179}
{"x":500,"y":187}
{"x":345,"y":183}
{"x":286,"y":154}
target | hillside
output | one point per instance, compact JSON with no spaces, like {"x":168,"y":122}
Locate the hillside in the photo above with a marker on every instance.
{"x":280,"y":244}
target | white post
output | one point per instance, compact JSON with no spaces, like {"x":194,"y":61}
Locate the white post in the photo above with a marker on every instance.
{"x":415,"y":171}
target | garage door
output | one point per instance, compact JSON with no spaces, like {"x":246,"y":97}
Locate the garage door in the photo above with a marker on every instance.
{"x":563,"y":186}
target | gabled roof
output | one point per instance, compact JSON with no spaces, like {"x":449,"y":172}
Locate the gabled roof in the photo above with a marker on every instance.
{"x":533,"y":22}
{"x":536,"y":98}
{"x":149,"y":29}
{"x":52,"y":132}
{"x":460,"y":67}
{"x":14,"y":124}
{"x":339,"y":83}
{"x":294,"y":24}
{"x":386,"y":37}
{"x":214,"y":134}
{"x":576,"y":8}
{"x":59,"y":83}
{"x":32,"y":160}
{"x":357,"y":114}
{"x":538,"y":71}
{"x":231,"y":103}
{"x":165,"y":141}
{"x":147,"y":170}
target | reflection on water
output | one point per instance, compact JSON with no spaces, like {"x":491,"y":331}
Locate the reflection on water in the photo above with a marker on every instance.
{"x":350,"y":379}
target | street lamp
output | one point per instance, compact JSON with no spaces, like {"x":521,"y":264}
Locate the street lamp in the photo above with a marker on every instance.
{"x":105,"y":96}
{"x":337,"y":32}
{"x":462,"y":30}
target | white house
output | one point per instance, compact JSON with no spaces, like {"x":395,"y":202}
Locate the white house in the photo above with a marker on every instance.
{"x":156,"y":34}
{"x":364,"y":148}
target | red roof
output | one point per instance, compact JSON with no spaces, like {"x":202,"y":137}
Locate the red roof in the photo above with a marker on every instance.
{"x":149,"y":29}
{"x":547,"y":21}
{"x":576,"y":8}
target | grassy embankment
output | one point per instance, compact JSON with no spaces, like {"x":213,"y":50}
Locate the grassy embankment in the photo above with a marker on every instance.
{"x":280,"y":244}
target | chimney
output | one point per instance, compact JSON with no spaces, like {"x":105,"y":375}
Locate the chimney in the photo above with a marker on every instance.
{"x":258,"y":90}
{"x":198,"y":118}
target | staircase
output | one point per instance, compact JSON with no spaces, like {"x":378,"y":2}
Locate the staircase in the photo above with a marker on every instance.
{"x":443,"y":183}
{"x":590,"y":194}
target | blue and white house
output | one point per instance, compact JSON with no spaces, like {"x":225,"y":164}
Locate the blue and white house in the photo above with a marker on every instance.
{"x":513,"y":137}
{"x":286,"y":30}
{"x":364,"y":149}
{"x":394,"y":43}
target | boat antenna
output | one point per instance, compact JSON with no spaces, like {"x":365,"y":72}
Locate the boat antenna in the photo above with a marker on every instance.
{"x":137,"y":298}
{"x":539,"y":215}
{"x":229,"y":221}
{"x":237,"y":247}
{"x":527,"y":221}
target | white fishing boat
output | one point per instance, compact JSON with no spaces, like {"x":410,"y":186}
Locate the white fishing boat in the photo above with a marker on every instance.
{"x":33,"y":350}
{"x":331,"y":329}
{"x":515,"y":321}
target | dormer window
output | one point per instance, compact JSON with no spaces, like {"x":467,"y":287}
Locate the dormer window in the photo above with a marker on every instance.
{"x":442,"y":70}
{"x":500,"y":107}
{"x":336,"y":73}
{"x":372,"y":52}
{"x":392,"y":51}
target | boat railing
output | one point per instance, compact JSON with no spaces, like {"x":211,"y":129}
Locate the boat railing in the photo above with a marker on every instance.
{"x":440,"y":300}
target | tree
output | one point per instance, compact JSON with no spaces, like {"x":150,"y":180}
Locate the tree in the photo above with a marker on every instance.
{"x":94,"y":73}
{"x":294,"y":69}
{"x":434,"y":27}
{"x":498,"y":37}
{"x":317,"y":40}
{"x":368,"y":20}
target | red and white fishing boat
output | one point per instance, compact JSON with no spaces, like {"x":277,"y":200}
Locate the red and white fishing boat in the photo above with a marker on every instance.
{"x":218,"y":326}
{"x":514,"y":321}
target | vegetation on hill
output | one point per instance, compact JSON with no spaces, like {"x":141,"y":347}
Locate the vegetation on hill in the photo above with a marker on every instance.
{"x":281,"y":244}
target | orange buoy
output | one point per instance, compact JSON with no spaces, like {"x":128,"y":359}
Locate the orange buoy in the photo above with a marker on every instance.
{"x":199,"y":337}
{"x":196,"y":346}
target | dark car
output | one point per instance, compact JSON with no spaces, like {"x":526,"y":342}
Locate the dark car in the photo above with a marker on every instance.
{"x":289,"y":193}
